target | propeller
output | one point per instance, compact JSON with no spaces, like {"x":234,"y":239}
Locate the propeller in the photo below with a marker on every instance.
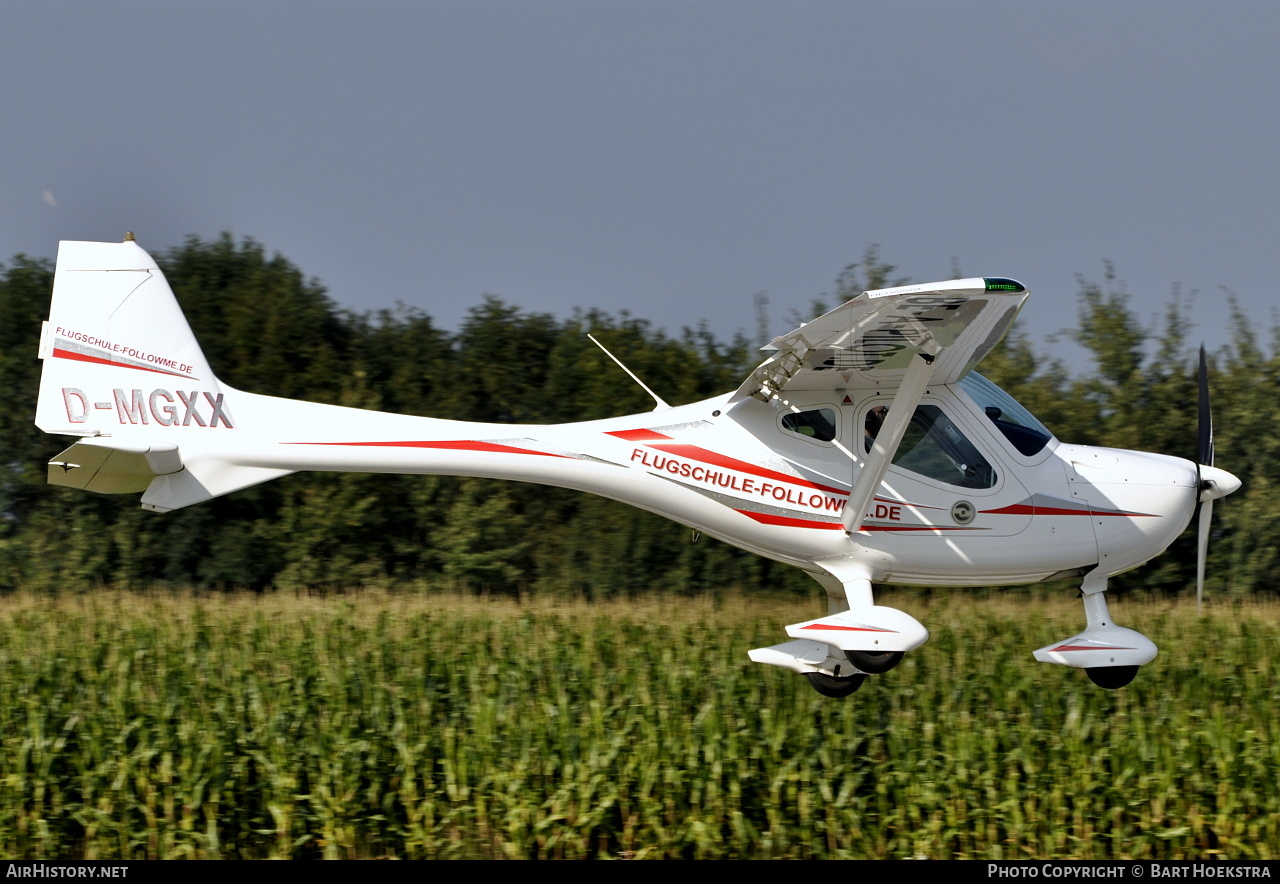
{"x":1211,"y":482}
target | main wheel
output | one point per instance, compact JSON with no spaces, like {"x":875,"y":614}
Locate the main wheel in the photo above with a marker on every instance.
{"x":874,"y":662}
{"x":1111,"y":677}
{"x":834,"y":686}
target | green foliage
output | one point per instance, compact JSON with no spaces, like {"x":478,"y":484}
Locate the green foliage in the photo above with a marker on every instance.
{"x":263,"y":327}
{"x":268,"y":329}
{"x":430,"y":726}
{"x":24,"y":304}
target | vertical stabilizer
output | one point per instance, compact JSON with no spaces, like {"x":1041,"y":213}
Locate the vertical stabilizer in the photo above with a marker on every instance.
{"x":119,"y":357}
{"x":123,"y":371}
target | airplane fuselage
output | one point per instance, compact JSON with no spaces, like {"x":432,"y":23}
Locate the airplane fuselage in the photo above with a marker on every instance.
{"x":736,"y":473}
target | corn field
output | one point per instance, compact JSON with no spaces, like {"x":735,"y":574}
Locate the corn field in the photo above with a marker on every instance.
{"x":418,"y":726}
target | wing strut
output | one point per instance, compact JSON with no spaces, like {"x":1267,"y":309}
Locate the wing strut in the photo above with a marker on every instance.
{"x":902,"y":408}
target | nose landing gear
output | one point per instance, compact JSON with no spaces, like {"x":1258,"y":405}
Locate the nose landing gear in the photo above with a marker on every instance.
{"x":1111,"y":677}
{"x":1110,"y":655}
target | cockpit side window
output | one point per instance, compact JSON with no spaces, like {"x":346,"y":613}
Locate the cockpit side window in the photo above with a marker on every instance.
{"x":934,"y":446}
{"x":818,"y":424}
{"x":1014,"y":422}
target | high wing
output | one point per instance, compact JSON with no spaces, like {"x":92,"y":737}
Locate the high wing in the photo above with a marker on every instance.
{"x":869,"y":341}
{"x":896,"y":341}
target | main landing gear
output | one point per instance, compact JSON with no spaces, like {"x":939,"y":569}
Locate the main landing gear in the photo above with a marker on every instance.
{"x":865,"y":662}
{"x":834,"y":685}
{"x":857,"y":638}
{"x":873,"y":662}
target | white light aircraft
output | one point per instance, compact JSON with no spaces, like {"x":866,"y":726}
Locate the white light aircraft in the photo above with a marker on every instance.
{"x":864,"y":450}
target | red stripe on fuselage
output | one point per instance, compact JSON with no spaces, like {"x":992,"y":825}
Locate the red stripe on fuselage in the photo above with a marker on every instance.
{"x":638,"y":435}
{"x":919,"y":528}
{"x":793,"y":522}
{"x":1026,"y":509}
{"x":1023,"y":509}
{"x":448,"y":445}
{"x":788,"y":521}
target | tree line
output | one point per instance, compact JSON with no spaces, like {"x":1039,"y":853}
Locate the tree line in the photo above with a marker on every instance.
{"x":266,"y":328}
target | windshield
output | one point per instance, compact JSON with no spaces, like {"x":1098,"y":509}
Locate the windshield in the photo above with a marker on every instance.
{"x":1017,"y":424}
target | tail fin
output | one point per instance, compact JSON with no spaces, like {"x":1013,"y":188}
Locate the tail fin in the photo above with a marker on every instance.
{"x":123,"y":369}
{"x":114,"y":329}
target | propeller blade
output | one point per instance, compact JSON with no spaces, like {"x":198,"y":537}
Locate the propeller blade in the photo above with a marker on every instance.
{"x":1204,"y":457}
{"x":1202,"y":553}
{"x":1205,"y":449}
{"x":1212,"y":483}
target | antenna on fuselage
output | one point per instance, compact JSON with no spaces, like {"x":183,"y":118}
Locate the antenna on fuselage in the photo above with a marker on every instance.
{"x":656,"y":398}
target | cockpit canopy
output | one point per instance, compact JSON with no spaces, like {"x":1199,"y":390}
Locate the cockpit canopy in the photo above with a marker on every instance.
{"x":1017,"y":424}
{"x":934,"y":445}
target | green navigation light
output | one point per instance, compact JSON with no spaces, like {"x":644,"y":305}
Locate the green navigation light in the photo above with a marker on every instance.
{"x":1000,"y":284}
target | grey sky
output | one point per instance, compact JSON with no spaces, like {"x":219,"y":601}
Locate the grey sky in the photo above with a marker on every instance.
{"x":668,"y":158}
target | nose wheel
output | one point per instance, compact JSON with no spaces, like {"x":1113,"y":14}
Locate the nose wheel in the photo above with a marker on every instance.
{"x":1111,"y":677}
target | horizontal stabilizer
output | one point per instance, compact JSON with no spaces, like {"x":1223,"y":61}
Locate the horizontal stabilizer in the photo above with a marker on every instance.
{"x":117,"y":466}
{"x":203,"y":481}
{"x":113,"y":466}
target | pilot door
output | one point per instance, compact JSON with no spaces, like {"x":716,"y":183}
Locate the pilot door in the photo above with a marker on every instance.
{"x":949,"y":476}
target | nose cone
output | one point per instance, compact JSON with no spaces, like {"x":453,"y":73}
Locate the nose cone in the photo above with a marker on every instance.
{"x":1216,"y":483}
